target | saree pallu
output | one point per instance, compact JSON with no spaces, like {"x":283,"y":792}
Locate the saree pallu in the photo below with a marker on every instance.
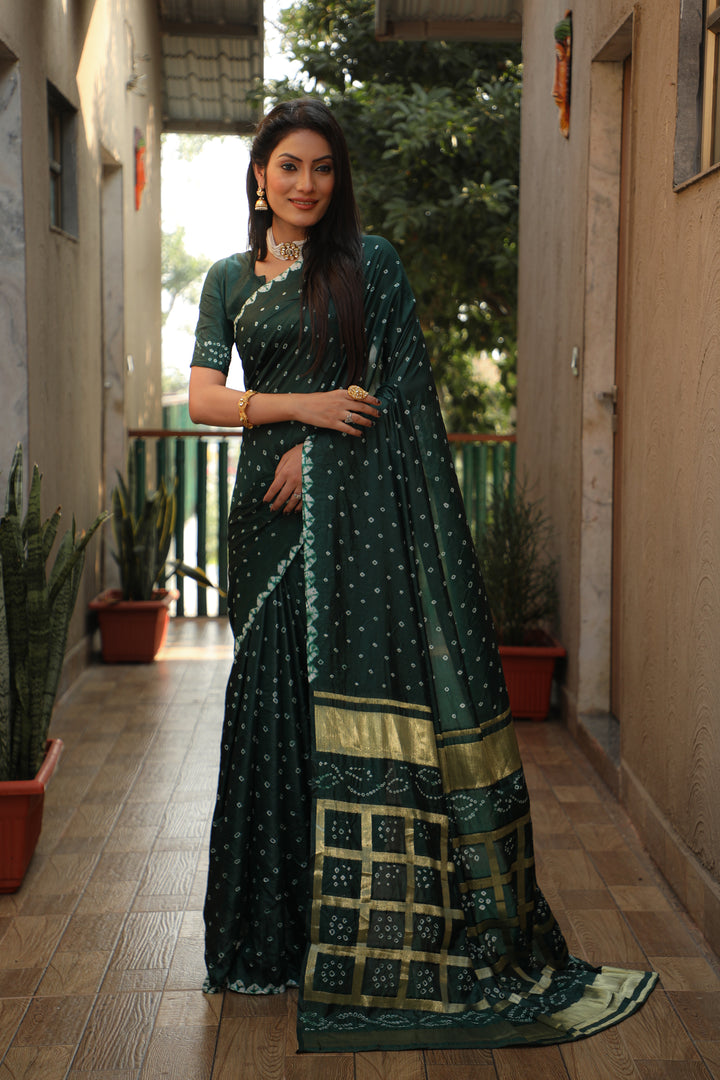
{"x":425,"y":923}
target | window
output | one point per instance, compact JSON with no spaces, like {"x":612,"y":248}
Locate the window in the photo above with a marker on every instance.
{"x":62,"y":126}
{"x":710,"y":154}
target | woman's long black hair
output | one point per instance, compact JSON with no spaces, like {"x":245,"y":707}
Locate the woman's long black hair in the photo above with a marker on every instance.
{"x":332,"y":256}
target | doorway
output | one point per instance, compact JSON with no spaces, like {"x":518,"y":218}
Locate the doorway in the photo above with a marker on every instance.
{"x":616,"y":649}
{"x":610,"y":138}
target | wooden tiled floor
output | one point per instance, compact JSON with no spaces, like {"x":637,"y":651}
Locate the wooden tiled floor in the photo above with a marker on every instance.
{"x":101,"y":951}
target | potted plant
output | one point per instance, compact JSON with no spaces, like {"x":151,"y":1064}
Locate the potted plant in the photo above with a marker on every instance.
{"x":35,"y":613}
{"x":521,"y":583}
{"x":133,"y":619}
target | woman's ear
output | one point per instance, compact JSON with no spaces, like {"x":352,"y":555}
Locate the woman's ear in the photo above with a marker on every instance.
{"x":259,"y":175}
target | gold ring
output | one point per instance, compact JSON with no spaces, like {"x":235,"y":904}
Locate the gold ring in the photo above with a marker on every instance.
{"x":357,"y":393}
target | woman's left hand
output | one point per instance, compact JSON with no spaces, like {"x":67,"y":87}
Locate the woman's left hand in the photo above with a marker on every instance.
{"x":286,"y":489}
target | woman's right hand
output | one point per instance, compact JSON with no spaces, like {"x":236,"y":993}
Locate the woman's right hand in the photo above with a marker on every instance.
{"x":212,"y":402}
{"x":337,"y":410}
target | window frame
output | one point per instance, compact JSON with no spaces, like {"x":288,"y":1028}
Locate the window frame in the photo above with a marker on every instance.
{"x":710,"y":139}
{"x":62,"y":163}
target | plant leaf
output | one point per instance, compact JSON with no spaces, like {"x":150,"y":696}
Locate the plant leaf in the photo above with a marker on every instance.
{"x":196,"y":574}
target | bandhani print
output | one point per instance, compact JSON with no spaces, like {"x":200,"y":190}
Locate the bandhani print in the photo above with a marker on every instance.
{"x":422,"y":921}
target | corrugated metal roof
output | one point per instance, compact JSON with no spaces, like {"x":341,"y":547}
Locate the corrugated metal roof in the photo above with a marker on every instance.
{"x":212,"y":55}
{"x":472,"y":19}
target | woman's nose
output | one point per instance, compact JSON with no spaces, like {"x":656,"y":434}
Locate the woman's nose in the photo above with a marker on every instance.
{"x":305,"y":180}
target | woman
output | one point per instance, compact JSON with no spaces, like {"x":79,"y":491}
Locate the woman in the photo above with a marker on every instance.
{"x":372,"y":840}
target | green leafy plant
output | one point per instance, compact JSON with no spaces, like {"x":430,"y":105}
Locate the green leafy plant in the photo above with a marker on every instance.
{"x":520,"y":574}
{"x":35,"y":613}
{"x":433,"y":130}
{"x":143,"y":541}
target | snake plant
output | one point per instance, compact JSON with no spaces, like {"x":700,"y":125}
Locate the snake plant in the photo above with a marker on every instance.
{"x":519,"y":573}
{"x":143,"y":541}
{"x":35,"y":613}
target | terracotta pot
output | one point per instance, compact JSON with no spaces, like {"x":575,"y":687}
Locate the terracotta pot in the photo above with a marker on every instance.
{"x":528,"y":671}
{"x":132,"y":630}
{"x":21,"y":811}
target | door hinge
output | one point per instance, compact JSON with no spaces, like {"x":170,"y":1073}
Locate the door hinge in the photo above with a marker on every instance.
{"x":610,"y":396}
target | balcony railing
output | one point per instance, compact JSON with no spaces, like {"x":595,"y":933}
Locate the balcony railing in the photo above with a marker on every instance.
{"x":200,"y":458}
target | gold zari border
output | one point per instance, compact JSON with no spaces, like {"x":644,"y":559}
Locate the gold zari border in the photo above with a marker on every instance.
{"x":383,"y":735}
{"x":371,"y":703}
{"x":394,"y":731}
{"x":480,"y":762}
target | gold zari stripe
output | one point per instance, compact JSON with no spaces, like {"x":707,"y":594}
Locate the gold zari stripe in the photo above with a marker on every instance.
{"x":611,"y":993}
{"x":375,"y":735}
{"x":468,"y":839}
{"x":480,"y":763}
{"x":322,"y":695}
{"x":416,"y":955}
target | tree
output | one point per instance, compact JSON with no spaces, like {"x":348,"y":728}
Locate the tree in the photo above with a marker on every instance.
{"x":181,"y":272}
{"x":433,"y":130}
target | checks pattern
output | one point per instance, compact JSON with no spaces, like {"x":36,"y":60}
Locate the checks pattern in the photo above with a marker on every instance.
{"x":498,"y":876}
{"x":406,"y":912}
{"x":383,"y":921}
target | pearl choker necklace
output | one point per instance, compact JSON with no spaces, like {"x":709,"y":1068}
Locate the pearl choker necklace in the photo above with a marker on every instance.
{"x":288,"y":252}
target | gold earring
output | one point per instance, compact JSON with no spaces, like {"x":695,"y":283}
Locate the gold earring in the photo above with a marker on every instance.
{"x":260,"y":203}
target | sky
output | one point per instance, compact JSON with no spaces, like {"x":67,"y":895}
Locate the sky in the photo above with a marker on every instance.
{"x":207,"y":197}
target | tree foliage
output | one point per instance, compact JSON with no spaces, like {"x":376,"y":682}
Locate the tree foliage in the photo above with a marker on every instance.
{"x":181,"y":272}
{"x":433,"y":130}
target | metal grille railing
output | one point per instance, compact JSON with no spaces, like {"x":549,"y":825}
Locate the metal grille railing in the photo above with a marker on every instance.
{"x":202,"y":459}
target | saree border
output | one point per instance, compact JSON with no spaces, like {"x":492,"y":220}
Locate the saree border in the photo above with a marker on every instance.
{"x":265,"y":287}
{"x":621,"y":991}
{"x":311,"y":592}
{"x":273,"y":581}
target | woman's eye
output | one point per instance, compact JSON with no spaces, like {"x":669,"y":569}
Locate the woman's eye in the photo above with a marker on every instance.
{"x":287,"y":166}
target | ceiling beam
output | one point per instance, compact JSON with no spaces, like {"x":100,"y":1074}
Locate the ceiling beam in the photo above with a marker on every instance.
{"x":209,"y":127}
{"x":449,"y":30}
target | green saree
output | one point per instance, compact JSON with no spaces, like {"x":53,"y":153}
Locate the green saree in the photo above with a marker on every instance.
{"x":384,"y":862}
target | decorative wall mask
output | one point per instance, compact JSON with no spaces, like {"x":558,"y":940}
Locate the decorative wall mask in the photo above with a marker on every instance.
{"x":561,"y":85}
{"x":139,"y":166}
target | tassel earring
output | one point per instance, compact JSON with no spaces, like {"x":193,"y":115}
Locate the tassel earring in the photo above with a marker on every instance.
{"x":260,"y":203}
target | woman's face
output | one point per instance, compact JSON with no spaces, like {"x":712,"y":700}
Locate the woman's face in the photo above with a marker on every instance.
{"x":298,"y":181}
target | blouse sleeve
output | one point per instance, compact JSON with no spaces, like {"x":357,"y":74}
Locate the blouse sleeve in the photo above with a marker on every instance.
{"x":214,"y":333}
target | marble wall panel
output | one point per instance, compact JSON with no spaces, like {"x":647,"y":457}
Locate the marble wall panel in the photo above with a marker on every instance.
{"x":13,"y":313}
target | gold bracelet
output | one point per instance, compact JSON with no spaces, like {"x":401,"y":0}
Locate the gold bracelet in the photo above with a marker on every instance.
{"x":242,"y":408}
